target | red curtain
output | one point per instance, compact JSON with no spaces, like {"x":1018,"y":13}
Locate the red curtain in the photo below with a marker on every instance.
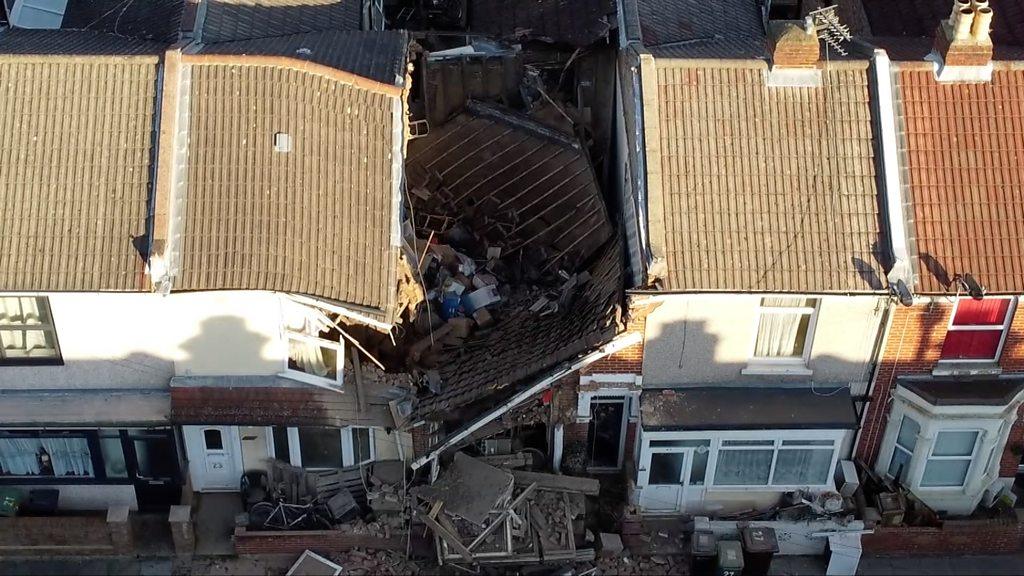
{"x":987,"y":312}
{"x":971,"y":345}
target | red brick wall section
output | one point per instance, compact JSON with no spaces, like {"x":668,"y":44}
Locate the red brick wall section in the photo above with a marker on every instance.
{"x":323,"y":542}
{"x":1012,"y":361}
{"x":913,"y":347}
{"x":628,"y":360}
{"x":954,"y":537}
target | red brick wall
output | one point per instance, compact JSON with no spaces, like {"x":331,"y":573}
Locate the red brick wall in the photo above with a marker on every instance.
{"x":954,"y":537}
{"x":913,"y":347}
{"x":324,"y":542}
{"x":628,"y":360}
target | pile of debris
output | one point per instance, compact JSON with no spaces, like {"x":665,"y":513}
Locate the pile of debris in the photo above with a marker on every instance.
{"x":481,"y":514}
{"x":357,"y":562}
{"x":466,"y":291}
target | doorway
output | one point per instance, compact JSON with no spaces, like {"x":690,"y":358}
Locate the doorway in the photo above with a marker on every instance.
{"x":672,"y":475}
{"x":214,"y":457}
{"x":663,"y":475}
{"x":606,"y":435}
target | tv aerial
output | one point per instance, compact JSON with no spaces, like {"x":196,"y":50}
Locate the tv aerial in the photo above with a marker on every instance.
{"x":828,"y":28}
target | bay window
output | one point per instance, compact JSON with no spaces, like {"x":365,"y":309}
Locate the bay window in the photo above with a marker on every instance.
{"x":950,"y":459}
{"x":977,"y":329}
{"x":906,"y":440}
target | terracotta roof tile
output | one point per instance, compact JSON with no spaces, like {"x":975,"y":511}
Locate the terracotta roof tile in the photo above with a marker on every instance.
{"x":767,"y":189}
{"x":964,"y":148}
{"x":74,"y":170}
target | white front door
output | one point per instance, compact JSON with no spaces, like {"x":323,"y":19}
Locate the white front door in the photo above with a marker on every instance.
{"x":214,"y":457}
{"x":663,"y":474}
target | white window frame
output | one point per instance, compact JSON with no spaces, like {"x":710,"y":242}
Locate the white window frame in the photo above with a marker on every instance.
{"x":43,"y":303}
{"x":288,"y":372}
{"x":971,"y":460}
{"x":992,"y":422}
{"x":1005,"y":328}
{"x":776,"y":446}
{"x":896,"y":446}
{"x":344,"y":437}
{"x":776,"y":436}
{"x":762,"y":364}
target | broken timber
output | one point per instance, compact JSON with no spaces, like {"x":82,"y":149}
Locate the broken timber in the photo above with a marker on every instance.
{"x":557,"y":482}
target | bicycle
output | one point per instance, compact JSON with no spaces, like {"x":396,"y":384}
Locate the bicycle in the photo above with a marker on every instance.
{"x":284,"y":516}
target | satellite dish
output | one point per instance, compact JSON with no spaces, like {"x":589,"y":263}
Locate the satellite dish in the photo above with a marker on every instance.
{"x":976,"y":290}
{"x":902,"y":293}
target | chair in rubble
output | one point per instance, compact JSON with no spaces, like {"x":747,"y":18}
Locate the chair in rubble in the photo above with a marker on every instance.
{"x":255,"y":487}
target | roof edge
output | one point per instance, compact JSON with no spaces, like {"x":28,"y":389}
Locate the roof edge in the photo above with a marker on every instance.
{"x":296,"y":64}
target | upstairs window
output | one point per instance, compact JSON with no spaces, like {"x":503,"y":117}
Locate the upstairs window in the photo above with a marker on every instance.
{"x":313,"y":357}
{"x":784,"y":331}
{"x":27,"y":335}
{"x":977,"y":330}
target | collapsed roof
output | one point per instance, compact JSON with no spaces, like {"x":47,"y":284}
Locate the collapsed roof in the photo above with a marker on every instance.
{"x":514,"y":185}
{"x":579,"y":23}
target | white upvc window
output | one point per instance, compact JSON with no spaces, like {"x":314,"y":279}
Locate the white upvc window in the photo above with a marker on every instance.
{"x":906,"y":440}
{"x":950,"y":460}
{"x":784,"y":332}
{"x":313,"y":358}
{"x":27,"y":333}
{"x":318,"y":447}
{"x":977,"y":329}
{"x":775,"y":463}
{"x":947,"y":454}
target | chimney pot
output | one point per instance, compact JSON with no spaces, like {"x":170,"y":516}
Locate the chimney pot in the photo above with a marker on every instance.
{"x":982,"y":24}
{"x":962,"y":24}
{"x":958,"y":5}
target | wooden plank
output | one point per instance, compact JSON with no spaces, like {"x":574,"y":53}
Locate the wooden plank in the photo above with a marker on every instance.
{"x":557,"y":482}
{"x":451,"y":539}
{"x":357,"y":371}
{"x":504,"y":515}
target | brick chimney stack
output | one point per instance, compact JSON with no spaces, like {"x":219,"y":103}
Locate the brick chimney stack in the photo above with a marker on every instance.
{"x":794,"y":44}
{"x":963,"y":39}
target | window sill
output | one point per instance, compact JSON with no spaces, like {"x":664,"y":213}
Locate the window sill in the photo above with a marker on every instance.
{"x":954,"y":368}
{"x":755,"y":369}
{"x":314,"y":380}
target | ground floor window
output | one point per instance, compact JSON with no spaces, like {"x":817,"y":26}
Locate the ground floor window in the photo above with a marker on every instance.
{"x":323,"y":447}
{"x":774,"y":462}
{"x":46,"y":456}
{"x":97,"y":455}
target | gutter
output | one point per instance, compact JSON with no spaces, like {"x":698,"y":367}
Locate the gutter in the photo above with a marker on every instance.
{"x":619,"y":343}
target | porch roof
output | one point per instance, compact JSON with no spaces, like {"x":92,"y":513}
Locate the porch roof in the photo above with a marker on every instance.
{"x":744,"y":408}
{"x":991,"y":391}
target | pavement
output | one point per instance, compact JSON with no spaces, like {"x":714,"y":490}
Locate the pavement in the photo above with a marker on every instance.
{"x":1012,"y":564}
